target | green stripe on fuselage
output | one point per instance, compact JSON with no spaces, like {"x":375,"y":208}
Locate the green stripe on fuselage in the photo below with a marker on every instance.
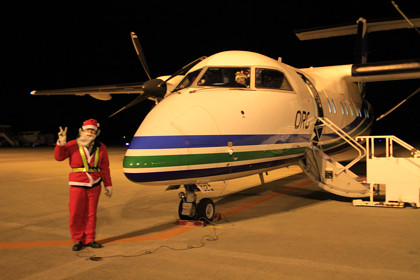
{"x":195,"y":159}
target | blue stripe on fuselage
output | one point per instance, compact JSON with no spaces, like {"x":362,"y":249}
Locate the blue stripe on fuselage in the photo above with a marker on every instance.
{"x":206,"y":141}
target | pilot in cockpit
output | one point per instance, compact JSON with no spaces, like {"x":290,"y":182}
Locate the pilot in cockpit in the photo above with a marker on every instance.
{"x":242,"y":78}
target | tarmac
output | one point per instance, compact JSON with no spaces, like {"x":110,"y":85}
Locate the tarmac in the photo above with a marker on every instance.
{"x":284,"y":229}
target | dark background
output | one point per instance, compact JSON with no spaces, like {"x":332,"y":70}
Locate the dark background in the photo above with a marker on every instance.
{"x":61,"y":44}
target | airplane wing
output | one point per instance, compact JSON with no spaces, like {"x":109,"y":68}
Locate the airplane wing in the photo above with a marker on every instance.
{"x":99,"y":92}
{"x":352,"y":29}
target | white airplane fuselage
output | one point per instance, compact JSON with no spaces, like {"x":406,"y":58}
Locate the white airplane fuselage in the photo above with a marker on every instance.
{"x":208,"y":131}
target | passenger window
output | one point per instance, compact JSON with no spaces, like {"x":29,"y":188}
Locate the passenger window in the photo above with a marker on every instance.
{"x":351,"y":108}
{"x":333,"y":104}
{"x":329,"y":105}
{"x":271,"y":79}
{"x":366,"y":112}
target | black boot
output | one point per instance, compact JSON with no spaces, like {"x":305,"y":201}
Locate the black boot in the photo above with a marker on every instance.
{"x":94,"y":244}
{"x":77,"y":246}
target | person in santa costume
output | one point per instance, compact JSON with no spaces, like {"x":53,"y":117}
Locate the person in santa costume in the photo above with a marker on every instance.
{"x":89,"y":161}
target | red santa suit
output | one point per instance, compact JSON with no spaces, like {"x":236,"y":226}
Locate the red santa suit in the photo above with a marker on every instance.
{"x":85,"y":186}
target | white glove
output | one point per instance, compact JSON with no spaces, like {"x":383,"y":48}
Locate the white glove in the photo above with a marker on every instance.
{"x":62,"y":136}
{"x":108,"y":191}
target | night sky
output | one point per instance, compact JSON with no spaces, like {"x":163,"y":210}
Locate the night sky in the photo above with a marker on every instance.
{"x":60,"y":44}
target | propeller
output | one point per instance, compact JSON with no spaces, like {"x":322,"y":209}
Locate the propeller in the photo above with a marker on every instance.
{"x":153,"y":88}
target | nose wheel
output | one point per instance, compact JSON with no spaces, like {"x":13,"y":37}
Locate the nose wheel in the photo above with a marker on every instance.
{"x":188,"y":208}
{"x":206,"y":209}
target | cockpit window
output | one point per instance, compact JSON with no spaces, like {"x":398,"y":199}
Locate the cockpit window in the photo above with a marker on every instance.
{"x":188,"y":80}
{"x":271,"y":79}
{"x":226,"y":77}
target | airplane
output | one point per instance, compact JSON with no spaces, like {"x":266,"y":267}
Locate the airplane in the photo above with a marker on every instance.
{"x":240,"y":113}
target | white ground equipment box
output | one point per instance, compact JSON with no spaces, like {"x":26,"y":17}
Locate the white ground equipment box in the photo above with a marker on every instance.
{"x":399,"y":173}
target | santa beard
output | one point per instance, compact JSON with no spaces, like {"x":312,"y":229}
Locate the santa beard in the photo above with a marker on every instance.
{"x":85,"y":139}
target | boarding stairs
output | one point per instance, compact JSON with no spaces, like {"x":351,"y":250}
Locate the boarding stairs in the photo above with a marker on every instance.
{"x":328,"y":173}
{"x":400,"y":174}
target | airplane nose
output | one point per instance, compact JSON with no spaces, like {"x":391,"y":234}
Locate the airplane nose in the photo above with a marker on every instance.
{"x":170,"y":140}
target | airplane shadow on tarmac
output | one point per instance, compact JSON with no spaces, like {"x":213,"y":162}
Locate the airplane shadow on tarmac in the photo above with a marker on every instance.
{"x":142,"y":232}
{"x":284,"y":197}
{"x":267,"y":199}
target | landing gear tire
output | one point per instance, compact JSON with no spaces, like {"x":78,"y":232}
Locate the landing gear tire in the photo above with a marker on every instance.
{"x":206,"y":210}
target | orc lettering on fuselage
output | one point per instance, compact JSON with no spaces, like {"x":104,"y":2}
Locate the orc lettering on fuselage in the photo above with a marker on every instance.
{"x":301,"y":120}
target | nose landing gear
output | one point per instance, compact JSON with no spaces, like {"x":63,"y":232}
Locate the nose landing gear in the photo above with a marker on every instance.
{"x":188,"y":208}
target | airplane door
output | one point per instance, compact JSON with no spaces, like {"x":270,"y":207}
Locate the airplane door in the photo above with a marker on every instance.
{"x":320,"y":111}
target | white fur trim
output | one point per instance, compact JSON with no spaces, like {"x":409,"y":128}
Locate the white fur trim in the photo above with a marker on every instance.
{"x":89,"y":126}
{"x":90,"y":184}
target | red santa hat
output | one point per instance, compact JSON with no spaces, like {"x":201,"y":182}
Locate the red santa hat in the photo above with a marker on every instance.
{"x":90,"y":124}
{"x":241,"y":74}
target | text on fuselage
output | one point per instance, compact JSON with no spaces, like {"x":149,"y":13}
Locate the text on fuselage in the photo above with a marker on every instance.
{"x":301,"y":120}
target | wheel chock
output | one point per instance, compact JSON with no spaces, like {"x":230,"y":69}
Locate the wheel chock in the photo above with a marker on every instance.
{"x":190,"y":223}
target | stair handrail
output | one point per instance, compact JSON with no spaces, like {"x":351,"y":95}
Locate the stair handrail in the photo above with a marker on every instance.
{"x":389,"y":145}
{"x":346,"y":137}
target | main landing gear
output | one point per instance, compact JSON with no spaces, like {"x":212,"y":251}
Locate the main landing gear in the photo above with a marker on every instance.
{"x":189,"y":209}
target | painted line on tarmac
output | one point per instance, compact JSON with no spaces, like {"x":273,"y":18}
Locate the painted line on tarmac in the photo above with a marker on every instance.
{"x":35,"y":244}
{"x":167,"y":234}
{"x":164,"y":235}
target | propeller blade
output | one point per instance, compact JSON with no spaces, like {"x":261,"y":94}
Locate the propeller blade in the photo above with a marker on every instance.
{"x":140,"y":53}
{"x":136,"y":100}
